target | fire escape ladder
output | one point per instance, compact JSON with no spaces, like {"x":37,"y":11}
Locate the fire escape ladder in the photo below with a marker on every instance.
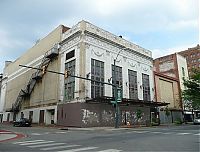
{"x":26,"y":92}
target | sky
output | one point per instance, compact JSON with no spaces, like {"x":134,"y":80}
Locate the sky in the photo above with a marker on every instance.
{"x":161,"y":26}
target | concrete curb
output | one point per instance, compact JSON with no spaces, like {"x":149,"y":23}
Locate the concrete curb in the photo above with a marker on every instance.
{"x":9,"y":135}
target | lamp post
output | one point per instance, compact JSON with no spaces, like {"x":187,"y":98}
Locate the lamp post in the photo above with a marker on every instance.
{"x":116,"y":93}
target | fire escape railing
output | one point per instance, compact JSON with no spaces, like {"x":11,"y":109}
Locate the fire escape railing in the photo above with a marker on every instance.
{"x":26,"y":92}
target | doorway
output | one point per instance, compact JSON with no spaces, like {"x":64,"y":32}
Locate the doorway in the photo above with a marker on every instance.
{"x":41,"y":119}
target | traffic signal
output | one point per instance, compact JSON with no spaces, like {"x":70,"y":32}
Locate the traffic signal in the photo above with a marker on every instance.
{"x":44,"y":69}
{"x":67,"y":73}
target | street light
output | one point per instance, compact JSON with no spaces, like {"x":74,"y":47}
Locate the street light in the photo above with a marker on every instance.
{"x":116,"y":92}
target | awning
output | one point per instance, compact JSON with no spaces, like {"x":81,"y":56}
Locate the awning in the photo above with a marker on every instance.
{"x":125,"y":101}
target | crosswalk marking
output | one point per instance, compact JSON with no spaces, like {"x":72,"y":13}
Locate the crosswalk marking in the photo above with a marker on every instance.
{"x":110,"y":150}
{"x":59,"y":147}
{"x":38,"y":142}
{"x":29,"y":141}
{"x":78,"y":149}
{"x":45,"y":145}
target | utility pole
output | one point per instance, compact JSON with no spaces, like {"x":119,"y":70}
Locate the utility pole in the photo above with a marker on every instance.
{"x":115,"y":97}
{"x":116,"y":93}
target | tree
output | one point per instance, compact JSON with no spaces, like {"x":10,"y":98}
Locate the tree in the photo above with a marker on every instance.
{"x":192,"y":92}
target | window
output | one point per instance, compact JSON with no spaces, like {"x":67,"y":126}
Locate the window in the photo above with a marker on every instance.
{"x":70,"y":55}
{"x":118,"y":75}
{"x":97,"y":73}
{"x":183,"y":71}
{"x":133,"y":92}
{"x":146,"y":87}
{"x":70,"y":81}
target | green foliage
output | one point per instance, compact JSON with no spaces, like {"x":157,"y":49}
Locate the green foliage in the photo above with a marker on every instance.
{"x":192,"y":92}
{"x":139,"y":113}
{"x":167,"y":112}
{"x":178,"y":121}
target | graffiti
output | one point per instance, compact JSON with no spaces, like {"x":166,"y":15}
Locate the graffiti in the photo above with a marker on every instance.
{"x":89,"y":117}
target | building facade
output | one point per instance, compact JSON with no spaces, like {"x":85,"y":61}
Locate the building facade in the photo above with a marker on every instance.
{"x":167,"y":90}
{"x":26,"y":92}
{"x":173,"y":65}
{"x":87,"y":52}
{"x":192,"y":56}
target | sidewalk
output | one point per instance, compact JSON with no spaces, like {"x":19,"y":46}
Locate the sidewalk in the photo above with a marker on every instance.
{"x":6,"y":135}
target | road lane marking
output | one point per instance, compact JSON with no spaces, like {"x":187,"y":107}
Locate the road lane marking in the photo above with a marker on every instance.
{"x":36,"y":134}
{"x":197,"y":134}
{"x":45,"y":145}
{"x":78,"y":149}
{"x":35,"y":143}
{"x":59,"y":147}
{"x":156,"y":132}
{"x":167,"y":133}
{"x":110,"y":150}
{"x":29,"y":141}
{"x":61,"y":132}
{"x":184,"y":133}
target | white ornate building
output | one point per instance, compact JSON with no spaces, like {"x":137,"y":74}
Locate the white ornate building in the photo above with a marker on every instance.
{"x":89,"y":51}
{"x":86,"y":51}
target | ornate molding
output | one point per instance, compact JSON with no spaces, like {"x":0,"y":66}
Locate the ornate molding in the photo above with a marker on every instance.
{"x":97,"y":53}
{"x":71,"y":42}
{"x":105,"y":34}
{"x":132,"y":64}
{"x":116,"y":60}
{"x":145,"y":69}
{"x":107,"y":52}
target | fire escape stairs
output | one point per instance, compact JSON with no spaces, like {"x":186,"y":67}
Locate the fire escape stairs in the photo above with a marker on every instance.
{"x":36,"y":76}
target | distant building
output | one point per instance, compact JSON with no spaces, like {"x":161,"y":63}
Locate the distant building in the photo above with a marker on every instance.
{"x":192,"y":56}
{"x":173,"y":65}
{"x":88,"y":52}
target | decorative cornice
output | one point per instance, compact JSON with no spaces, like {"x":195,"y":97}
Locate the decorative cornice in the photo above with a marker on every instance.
{"x":109,"y":36}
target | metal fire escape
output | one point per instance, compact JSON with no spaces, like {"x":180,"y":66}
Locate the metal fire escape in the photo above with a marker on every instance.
{"x":36,"y":76}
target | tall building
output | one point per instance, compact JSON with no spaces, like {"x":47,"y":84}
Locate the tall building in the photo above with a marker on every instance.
{"x":192,"y":56}
{"x":87,"y":54}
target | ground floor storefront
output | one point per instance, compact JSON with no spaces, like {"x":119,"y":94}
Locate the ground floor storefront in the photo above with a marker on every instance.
{"x":40,"y":115}
{"x":99,"y":115}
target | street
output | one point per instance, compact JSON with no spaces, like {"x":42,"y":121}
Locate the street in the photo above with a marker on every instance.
{"x":162,"y":138}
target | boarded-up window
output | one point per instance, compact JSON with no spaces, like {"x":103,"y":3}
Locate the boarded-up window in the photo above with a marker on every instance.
{"x":166,"y":91}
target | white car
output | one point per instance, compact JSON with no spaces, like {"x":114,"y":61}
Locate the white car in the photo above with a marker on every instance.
{"x":197,"y":121}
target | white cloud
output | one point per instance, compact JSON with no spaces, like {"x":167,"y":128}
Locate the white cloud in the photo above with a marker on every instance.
{"x":156,"y":53}
{"x":22,"y":22}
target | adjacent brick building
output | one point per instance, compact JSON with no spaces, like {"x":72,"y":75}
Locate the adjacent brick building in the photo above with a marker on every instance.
{"x":192,"y":56}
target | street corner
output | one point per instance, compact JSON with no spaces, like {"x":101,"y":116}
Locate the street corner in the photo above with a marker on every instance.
{"x":6,"y":135}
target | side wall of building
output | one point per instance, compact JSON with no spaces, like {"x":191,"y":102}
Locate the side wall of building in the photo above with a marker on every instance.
{"x":18,"y":77}
{"x":182,"y":70}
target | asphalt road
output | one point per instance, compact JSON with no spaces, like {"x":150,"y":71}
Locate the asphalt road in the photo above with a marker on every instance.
{"x":174,"y":138}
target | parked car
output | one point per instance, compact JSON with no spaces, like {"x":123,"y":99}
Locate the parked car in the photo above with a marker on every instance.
{"x":22,"y":122}
{"x":197,"y":121}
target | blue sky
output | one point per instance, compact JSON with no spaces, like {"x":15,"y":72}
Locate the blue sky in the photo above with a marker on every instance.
{"x":162,"y":26}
